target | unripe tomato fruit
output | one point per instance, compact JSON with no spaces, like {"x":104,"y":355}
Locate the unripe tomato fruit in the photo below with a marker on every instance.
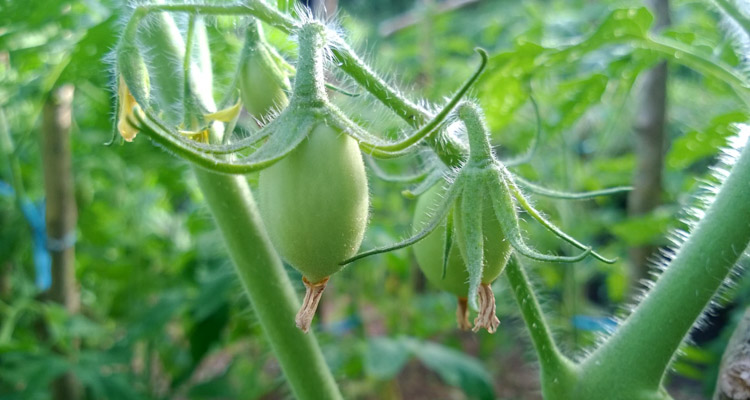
{"x":315,"y":203}
{"x":261,"y":80}
{"x":429,"y":251}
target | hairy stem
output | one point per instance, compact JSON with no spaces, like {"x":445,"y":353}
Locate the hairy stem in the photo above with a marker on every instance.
{"x":266,"y":284}
{"x":641,"y":350}
{"x":257,"y":265}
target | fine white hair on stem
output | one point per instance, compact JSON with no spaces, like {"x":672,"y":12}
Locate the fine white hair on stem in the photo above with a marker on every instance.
{"x":689,"y":218}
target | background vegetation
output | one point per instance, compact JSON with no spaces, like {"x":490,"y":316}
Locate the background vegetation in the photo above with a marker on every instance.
{"x":161,"y":314}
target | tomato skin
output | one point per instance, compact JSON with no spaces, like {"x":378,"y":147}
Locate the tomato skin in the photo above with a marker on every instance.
{"x":429,"y":251}
{"x":261,"y":80}
{"x":261,"y":83}
{"x":315,"y":203}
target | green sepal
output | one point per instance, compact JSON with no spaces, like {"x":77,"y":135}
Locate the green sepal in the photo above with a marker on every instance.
{"x":433,"y":178}
{"x":447,"y":242}
{"x":471,"y":238}
{"x":450,"y":197}
{"x":132,"y":67}
{"x":556,"y":194}
{"x":505,"y":211}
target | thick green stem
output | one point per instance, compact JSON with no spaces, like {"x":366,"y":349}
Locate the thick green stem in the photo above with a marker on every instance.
{"x":641,"y":350}
{"x":257,"y":265}
{"x":266,"y":284}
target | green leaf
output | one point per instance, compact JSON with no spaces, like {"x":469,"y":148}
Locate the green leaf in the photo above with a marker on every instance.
{"x":503,"y":87}
{"x":456,"y":369}
{"x":699,"y":144}
{"x":619,"y":26}
{"x":579,"y":95}
{"x":385,"y":357}
{"x":646,"y":229}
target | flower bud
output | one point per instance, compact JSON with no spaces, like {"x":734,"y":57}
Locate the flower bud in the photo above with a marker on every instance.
{"x":133,"y":88}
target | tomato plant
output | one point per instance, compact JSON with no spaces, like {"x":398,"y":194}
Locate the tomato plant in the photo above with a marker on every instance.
{"x":270,"y":102}
{"x":318,"y":225}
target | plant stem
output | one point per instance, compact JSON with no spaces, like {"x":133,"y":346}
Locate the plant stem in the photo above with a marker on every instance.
{"x":450,"y":151}
{"x":256,"y":8}
{"x":553,"y":363}
{"x":685,"y":55}
{"x":266,"y":284}
{"x":188,"y":108}
{"x":641,"y":350}
{"x":259,"y":268}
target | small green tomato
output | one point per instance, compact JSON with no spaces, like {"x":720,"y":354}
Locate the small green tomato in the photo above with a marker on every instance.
{"x":261,"y":80}
{"x":430,"y":252}
{"x":315,"y":204}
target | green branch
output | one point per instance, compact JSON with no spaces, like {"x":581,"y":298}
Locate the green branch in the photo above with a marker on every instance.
{"x":266,"y":284}
{"x":257,"y":265}
{"x":554,"y":365}
{"x":642,"y":348}
{"x":632,"y":361}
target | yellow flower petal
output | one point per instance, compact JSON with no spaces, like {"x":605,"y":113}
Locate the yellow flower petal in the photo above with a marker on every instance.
{"x":225,"y":115}
{"x":128,"y":106}
{"x":199,"y":136}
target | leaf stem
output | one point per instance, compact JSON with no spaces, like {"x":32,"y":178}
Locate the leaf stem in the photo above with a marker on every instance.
{"x":266,"y":284}
{"x":683,"y":54}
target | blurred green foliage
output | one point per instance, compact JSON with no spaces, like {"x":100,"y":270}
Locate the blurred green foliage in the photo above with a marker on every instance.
{"x":162,"y":316}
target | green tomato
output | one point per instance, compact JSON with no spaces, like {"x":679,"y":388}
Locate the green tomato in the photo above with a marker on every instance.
{"x":429,"y":251}
{"x":261,"y":81}
{"x":315,"y":203}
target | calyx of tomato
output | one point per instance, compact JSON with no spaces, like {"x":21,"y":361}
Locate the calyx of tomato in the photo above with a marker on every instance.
{"x":482,"y":205}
